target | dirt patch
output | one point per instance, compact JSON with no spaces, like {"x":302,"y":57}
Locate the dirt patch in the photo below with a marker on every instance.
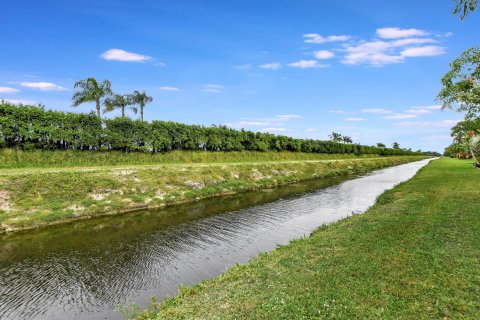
{"x":5,"y":204}
{"x":100,"y":195}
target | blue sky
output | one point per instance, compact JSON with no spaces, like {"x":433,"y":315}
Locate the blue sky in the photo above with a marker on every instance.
{"x":304,"y":68}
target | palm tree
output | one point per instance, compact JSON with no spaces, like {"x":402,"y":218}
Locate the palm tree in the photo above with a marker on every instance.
{"x":119,"y":101}
{"x":141,"y":99}
{"x":91,"y":91}
{"x":336,"y":137}
{"x":381,"y":145}
{"x":395,"y":145}
{"x":347,"y":139}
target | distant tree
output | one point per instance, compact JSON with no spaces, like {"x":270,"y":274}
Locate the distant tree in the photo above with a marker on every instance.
{"x":91,"y":91}
{"x":347,"y":139}
{"x":395,"y":145}
{"x":118,"y":101}
{"x":461,"y":85}
{"x":463,"y":7}
{"x":381,"y":145}
{"x":336,"y":137}
{"x":141,"y":99}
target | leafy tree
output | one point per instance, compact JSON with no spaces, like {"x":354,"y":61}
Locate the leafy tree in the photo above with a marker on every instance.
{"x":91,"y":91}
{"x":119,"y":101}
{"x":463,"y":7}
{"x":381,"y":145}
{"x":141,"y":99}
{"x":396,"y":145}
{"x":461,"y":85}
{"x":336,"y":137}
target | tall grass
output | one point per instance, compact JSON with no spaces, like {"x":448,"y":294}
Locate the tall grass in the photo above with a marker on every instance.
{"x":14,"y":158}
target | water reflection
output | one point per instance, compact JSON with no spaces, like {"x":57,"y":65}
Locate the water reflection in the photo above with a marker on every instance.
{"x":83,"y":270}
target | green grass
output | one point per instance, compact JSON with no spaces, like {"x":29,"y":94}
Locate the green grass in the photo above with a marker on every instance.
{"x":14,"y":158}
{"x":414,"y":255}
{"x":33,"y":197}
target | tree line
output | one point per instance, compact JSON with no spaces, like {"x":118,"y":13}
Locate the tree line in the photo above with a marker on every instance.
{"x":33,"y":128}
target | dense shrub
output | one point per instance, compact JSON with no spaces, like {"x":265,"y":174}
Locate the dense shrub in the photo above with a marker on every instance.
{"x":32,"y":128}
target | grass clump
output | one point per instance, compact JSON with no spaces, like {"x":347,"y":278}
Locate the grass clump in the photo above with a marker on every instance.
{"x":413,"y":255}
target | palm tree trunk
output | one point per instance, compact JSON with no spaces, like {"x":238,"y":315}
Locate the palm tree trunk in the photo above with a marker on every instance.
{"x":141,"y":113}
{"x":123,"y":112}
{"x":98,"y":108}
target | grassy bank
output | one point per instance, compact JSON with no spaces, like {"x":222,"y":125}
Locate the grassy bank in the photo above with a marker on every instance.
{"x":414,"y":255}
{"x":31,"y":198}
{"x":15,"y":158}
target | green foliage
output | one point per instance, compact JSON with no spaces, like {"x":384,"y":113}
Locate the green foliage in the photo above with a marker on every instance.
{"x":461,"y":85}
{"x":381,"y":145}
{"x":32,"y":128}
{"x":463,"y":7}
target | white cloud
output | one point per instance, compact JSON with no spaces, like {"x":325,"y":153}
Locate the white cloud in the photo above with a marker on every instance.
{"x":419,"y":111}
{"x":306,"y":64}
{"x":395,"y":33}
{"x":355,"y":119}
{"x":42,"y":86}
{"x":341,"y":112}
{"x":20,"y":101}
{"x":271,"y":66}
{"x":8,"y":90}
{"x":426,"y":51}
{"x":311,"y":130}
{"x":286,"y":117}
{"x":316,"y":38}
{"x":373,"y":52}
{"x":324,"y":54}
{"x":400,"y":116}
{"x":169,"y":89}
{"x":272,"y":130}
{"x":377,"y":110}
{"x":410,"y":41}
{"x":428,"y":124}
{"x":436,"y":107}
{"x":212,"y":88}
{"x":122,"y":55}
{"x":160,"y":64}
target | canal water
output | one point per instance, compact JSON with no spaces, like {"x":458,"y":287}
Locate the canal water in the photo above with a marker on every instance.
{"x":87,"y":269}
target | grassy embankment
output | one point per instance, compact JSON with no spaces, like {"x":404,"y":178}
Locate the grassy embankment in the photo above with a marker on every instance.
{"x":14,"y":158}
{"x":414,"y":255}
{"x":32,"y":197}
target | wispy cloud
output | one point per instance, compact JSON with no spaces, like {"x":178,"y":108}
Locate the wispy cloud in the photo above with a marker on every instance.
{"x":278,"y":120}
{"x":341,"y":112}
{"x":160,"y":64}
{"x":43,"y":86}
{"x":169,"y":89}
{"x":354,"y":119}
{"x":419,"y":111}
{"x":8,"y":90}
{"x":400,"y":116}
{"x":426,"y":51}
{"x":428,"y":124}
{"x":273,"y":130}
{"x":122,"y":55}
{"x":435,"y":107}
{"x":212,"y":88}
{"x":395,"y":46}
{"x":306,"y":64}
{"x":311,"y":130}
{"x":20,"y":101}
{"x":317,"y":38}
{"x":395,"y":33}
{"x":271,"y":66}
{"x":323,"y":54}
{"x":376,"y":110}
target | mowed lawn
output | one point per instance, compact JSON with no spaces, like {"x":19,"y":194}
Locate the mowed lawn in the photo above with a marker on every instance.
{"x":414,"y":255}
